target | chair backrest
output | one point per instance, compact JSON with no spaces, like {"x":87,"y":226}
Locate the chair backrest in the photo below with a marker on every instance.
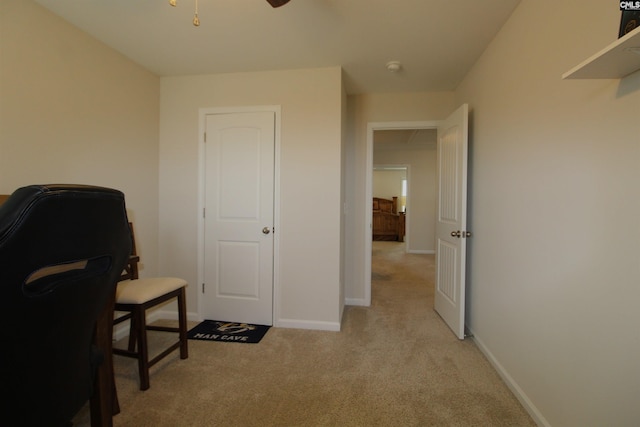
{"x":130,"y":271}
{"x":62,"y":249}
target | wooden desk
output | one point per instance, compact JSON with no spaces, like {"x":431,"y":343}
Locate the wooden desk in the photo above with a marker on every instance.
{"x":104,"y":401}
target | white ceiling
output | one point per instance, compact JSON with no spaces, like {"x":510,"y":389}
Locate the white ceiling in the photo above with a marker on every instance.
{"x":437,"y":41}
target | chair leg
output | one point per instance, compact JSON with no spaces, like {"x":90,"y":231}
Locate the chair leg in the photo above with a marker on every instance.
{"x":133,"y":327}
{"x":138,"y":333}
{"x":182,"y":324}
{"x":143,"y":350}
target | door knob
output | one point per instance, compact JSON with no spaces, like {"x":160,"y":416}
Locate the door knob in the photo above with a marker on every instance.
{"x":455,"y":234}
{"x":266,"y":230}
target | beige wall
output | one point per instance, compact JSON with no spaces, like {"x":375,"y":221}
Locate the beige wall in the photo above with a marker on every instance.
{"x":74,"y":111}
{"x":388,"y":183}
{"x":362,"y":110}
{"x":555,"y":255}
{"x":307,"y":289}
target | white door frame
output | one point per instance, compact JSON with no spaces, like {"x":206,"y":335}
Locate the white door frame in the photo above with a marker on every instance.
{"x":371,"y":127}
{"x":202,"y":126}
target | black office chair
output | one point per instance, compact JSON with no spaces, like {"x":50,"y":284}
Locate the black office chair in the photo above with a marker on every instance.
{"x":62,"y":250}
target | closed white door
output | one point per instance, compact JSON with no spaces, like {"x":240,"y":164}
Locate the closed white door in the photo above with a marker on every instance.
{"x":239,"y":217}
{"x":451,"y":220}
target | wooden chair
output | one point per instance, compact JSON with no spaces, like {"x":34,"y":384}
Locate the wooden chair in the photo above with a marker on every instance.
{"x":134,"y":296}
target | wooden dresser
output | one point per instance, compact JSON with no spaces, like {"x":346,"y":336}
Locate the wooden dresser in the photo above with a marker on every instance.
{"x":388,"y":223}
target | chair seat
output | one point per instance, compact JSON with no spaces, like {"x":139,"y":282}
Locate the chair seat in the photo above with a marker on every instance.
{"x":140,"y":291}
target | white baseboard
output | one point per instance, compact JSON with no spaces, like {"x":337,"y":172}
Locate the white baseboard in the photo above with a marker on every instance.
{"x":361,"y":302}
{"x":304,"y":324}
{"x":122,"y":330}
{"x":425,"y":252}
{"x":511,"y":383}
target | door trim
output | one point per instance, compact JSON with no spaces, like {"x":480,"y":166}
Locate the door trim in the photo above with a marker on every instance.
{"x":202,"y":126}
{"x":368,"y":241}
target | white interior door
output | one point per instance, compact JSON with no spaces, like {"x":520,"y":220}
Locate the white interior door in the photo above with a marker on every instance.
{"x":239,"y":217}
{"x":451,"y":220}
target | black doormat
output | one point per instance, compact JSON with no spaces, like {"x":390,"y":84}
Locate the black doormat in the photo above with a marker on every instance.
{"x":214,"y":330}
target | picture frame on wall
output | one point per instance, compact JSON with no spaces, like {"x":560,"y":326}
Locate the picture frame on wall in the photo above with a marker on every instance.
{"x":629,"y":22}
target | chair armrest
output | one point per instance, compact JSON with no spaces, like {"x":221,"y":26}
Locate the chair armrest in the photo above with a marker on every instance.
{"x":130,"y":269}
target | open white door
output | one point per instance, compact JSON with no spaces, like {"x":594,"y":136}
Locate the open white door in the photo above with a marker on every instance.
{"x":451,"y":219}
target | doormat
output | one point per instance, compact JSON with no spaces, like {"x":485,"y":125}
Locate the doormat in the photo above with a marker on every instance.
{"x":215,"y":330}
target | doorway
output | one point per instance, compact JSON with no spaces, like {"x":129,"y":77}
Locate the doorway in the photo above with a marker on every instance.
{"x":451,"y":219}
{"x":395,"y":140}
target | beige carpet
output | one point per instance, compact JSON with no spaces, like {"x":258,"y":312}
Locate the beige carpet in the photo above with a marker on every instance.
{"x":393,"y":364}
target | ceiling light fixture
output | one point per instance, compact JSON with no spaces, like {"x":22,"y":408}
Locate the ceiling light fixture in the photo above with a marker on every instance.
{"x":394,"y":66}
{"x":196,"y":20}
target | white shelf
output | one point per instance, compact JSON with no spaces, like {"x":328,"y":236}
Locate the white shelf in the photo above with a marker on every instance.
{"x":617,"y":60}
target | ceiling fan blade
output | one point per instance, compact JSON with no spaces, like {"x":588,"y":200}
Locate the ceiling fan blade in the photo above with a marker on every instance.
{"x":278,"y":3}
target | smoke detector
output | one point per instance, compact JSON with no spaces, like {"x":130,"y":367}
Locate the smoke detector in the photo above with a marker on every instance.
{"x":394,"y":66}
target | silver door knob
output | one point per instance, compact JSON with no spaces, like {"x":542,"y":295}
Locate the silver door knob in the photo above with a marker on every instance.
{"x":455,"y":233}
{"x":266,"y":230}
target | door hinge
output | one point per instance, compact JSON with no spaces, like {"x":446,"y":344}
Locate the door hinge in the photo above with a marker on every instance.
{"x":203,"y":288}
{"x":205,"y":137}
{"x":204,"y":212}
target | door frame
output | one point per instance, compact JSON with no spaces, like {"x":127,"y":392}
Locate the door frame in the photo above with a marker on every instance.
{"x":202,"y":127}
{"x":368,"y":240}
